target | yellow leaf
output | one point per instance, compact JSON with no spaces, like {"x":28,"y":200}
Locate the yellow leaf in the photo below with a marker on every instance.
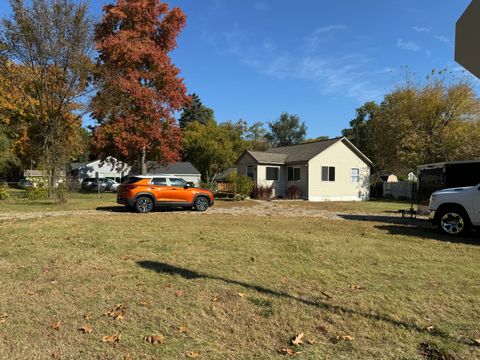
{"x":56,"y":326}
{"x":242,"y":295}
{"x":154,"y":339}
{"x":87,"y":328}
{"x":111,"y":338}
{"x":297,"y":340}
{"x":430,"y":328}
{"x":345,"y":337}
{"x":182,"y":329}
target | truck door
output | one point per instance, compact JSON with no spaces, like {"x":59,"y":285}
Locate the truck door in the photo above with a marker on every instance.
{"x":476,"y":206}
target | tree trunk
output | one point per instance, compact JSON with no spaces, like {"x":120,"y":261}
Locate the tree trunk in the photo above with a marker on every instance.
{"x":143,"y":165}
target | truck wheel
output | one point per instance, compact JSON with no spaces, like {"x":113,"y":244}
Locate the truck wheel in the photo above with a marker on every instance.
{"x":144,"y":204}
{"x":201,"y":203}
{"x":454,"y":221}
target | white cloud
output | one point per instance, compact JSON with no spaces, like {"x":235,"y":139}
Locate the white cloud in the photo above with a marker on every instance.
{"x":420,"y":29}
{"x":407,"y":45}
{"x":443,"y":39}
{"x":322,"y":35}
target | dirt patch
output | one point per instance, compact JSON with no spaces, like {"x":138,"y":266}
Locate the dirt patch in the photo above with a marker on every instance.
{"x":263,"y":209}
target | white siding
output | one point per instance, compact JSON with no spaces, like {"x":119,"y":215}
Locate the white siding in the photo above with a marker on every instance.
{"x":342,"y":189}
{"x":278,"y":186}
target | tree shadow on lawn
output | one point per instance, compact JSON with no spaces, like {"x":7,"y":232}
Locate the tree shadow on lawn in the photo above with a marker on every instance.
{"x":418,"y":228}
{"x":163,"y":268}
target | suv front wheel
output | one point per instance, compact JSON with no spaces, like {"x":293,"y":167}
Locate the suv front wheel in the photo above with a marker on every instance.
{"x":144,"y":204}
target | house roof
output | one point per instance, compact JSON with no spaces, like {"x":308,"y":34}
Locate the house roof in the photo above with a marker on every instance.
{"x":265,"y":157}
{"x":302,"y":152}
{"x":178,"y":168}
{"x":76,"y":166}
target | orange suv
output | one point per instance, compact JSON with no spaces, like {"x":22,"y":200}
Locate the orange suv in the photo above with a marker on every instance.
{"x":144,"y":193}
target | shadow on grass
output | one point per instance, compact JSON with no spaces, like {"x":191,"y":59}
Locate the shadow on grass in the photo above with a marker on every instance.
{"x":418,"y":228}
{"x":386,"y":219}
{"x":124,"y":209}
{"x":163,"y":268}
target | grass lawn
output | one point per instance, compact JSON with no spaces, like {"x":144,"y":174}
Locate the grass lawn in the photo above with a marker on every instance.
{"x":219,"y":286}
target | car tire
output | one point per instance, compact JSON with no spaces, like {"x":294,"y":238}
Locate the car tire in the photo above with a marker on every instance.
{"x":453,"y":221}
{"x":144,"y":204}
{"x":201,"y":204}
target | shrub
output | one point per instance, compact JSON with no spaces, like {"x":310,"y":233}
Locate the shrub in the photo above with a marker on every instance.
{"x":262,"y":192}
{"x":242,"y":185}
{"x":4,"y":192}
{"x":293,"y":192}
{"x":61,"y":192}
{"x":36,"y":193}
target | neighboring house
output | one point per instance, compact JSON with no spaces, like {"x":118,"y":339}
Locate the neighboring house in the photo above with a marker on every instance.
{"x":109,"y":168}
{"x":39,"y":176}
{"x":183,"y":170}
{"x":322,"y":170}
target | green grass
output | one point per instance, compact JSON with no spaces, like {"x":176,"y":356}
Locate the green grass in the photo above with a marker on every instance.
{"x":239,"y":286}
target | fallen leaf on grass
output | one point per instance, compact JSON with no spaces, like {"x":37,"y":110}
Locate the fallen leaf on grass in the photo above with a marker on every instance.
{"x":111,"y":338}
{"x":87,"y":316}
{"x":127,"y":357}
{"x":3,"y":317}
{"x":56,"y":326}
{"x":154,"y":339}
{"x":144,"y":303}
{"x":242,"y":295}
{"x":179,"y":293}
{"x":477,"y":341}
{"x":31,"y":293}
{"x":345,"y":337}
{"x":117,"y":313}
{"x":87,"y":328}
{"x":430,"y":328}
{"x":356,"y":287}
{"x":289,"y":352}
{"x":55,"y":355}
{"x":193,"y":355}
{"x":297,"y":340}
{"x":311,"y":341}
{"x":182,"y":329}
{"x":215,"y":299}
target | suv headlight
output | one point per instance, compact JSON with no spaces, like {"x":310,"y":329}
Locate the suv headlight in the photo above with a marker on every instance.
{"x":433,"y":198}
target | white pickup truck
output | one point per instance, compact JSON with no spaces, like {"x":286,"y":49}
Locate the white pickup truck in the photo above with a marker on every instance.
{"x":455,"y":211}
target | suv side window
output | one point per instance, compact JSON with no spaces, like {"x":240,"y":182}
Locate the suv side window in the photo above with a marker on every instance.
{"x":159,"y":181}
{"x":177,"y":182}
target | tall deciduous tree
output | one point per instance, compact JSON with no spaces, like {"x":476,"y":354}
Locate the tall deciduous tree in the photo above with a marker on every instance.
{"x":51,"y":41}
{"x":287,"y":130}
{"x":414,"y":125}
{"x":212,"y":147}
{"x":195,"y":111}
{"x":139,"y":88}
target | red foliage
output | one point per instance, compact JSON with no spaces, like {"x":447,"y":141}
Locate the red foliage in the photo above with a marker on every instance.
{"x":139,"y":86}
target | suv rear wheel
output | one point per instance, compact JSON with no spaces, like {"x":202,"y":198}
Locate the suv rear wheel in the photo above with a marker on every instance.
{"x":201,"y":203}
{"x":453,"y":221}
{"x":144,"y":204}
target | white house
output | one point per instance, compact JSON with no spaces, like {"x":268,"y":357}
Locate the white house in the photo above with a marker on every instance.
{"x":322,"y":170}
{"x":108,"y":168}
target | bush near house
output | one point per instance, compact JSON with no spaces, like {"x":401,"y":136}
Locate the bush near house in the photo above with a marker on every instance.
{"x":262,"y":192}
{"x":241,"y":185}
{"x":293,"y":192}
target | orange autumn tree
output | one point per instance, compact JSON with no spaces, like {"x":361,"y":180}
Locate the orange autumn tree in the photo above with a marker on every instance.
{"x":139,"y":88}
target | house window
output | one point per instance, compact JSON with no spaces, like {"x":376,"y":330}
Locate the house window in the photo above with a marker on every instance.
{"x":355,"y":175}
{"x":328,"y":173}
{"x":250,"y":171}
{"x":272,"y":173}
{"x":293,"y":173}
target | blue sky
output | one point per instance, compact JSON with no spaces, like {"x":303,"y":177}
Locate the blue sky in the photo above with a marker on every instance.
{"x":254,"y":59}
